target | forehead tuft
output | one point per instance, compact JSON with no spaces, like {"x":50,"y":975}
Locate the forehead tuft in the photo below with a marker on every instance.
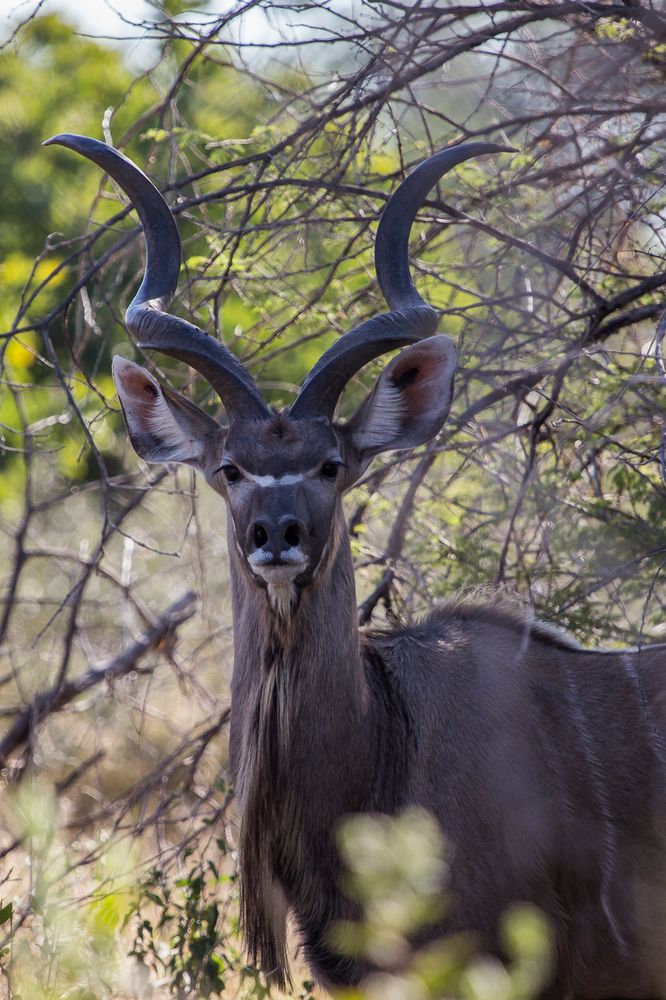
{"x":280,"y":445}
{"x":278,"y":425}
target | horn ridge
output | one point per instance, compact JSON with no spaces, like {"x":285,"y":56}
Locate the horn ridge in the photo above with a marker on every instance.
{"x":392,"y":239}
{"x":146,"y":319}
{"x":410,"y":318}
{"x":158,"y":224}
{"x":323,"y":386}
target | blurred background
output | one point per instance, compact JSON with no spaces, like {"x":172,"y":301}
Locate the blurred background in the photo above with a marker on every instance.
{"x":276,"y":132}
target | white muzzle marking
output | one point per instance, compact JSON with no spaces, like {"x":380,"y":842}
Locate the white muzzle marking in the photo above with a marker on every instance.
{"x":279,"y":578}
{"x":292,"y":562}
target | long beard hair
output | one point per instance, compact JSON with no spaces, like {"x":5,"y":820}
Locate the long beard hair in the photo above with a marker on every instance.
{"x":268,"y":825}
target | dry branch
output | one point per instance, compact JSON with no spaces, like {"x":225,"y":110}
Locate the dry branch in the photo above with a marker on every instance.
{"x":55,"y":699}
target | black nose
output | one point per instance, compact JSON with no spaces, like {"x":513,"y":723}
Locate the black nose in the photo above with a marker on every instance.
{"x":276,"y":536}
{"x":260,"y":535}
{"x":291,"y":531}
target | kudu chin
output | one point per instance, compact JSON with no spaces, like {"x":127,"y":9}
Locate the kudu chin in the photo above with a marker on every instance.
{"x":542,"y":762}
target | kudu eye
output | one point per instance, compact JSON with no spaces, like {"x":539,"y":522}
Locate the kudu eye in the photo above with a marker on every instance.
{"x":329,"y":470}
{"x":232,"y":473}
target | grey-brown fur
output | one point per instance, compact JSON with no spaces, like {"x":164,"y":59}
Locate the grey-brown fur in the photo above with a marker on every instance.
{"x":524,"y":746}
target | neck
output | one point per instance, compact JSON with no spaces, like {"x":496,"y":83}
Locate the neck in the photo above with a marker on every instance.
{"x":306,"y":654}
{"x":301,"y":719}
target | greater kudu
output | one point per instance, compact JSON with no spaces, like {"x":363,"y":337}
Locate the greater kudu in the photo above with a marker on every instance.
{"x":543,"y":762}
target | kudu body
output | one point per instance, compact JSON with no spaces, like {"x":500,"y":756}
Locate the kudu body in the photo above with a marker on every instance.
{"x":542,"y":762}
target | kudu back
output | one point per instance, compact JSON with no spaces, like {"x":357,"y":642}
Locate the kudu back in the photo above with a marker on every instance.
{"x":542,"y":762}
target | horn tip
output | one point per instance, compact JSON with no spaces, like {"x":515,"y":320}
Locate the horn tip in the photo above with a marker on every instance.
{"x":68,"y":139}
{"x":493,"y":147}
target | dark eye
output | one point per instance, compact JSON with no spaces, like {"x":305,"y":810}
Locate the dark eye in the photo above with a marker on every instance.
{"x":329,"y":470}
{"x":232,"y":473}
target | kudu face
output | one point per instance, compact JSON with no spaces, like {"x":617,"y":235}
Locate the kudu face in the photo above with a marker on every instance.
{"x":279,"y":477}
{"x":282,"y":474}
{"x":282,"y":478}
{"x":282,"y":493}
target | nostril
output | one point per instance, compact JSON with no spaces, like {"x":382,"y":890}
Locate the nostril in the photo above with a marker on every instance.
{"x":292,"y":535}
{"x":260,"y":536}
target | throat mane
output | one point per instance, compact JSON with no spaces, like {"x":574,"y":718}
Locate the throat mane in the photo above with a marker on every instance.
{"x":266,"y":803}
{"x":282,"y":598}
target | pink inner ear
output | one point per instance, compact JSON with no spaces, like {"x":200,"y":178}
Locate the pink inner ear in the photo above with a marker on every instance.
{"x":417,"y":375}
{"x":134,"y":381}
{"x":403,"y":376}
{"x":150,"y":389}
{"x":139,"y":394}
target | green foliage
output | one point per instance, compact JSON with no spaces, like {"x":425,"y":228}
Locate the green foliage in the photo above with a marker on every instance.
{"x":70,"y":951}
{"x":615,"y":30}
{"x":189,"y":921}
{"x":56,"y":81}
{"x":186,"y":931}
{"x":397,"y":871}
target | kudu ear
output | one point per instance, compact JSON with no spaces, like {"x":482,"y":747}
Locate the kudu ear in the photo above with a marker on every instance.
{"x":163,"y":425}
{"x":410,"y":401}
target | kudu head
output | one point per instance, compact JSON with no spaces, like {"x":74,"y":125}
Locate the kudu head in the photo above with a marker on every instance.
{"x":282,"y":474}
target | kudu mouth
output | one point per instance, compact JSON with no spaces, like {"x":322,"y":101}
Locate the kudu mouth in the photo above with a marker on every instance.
{"x":283,"y":577}
{"x":285,"y":567}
